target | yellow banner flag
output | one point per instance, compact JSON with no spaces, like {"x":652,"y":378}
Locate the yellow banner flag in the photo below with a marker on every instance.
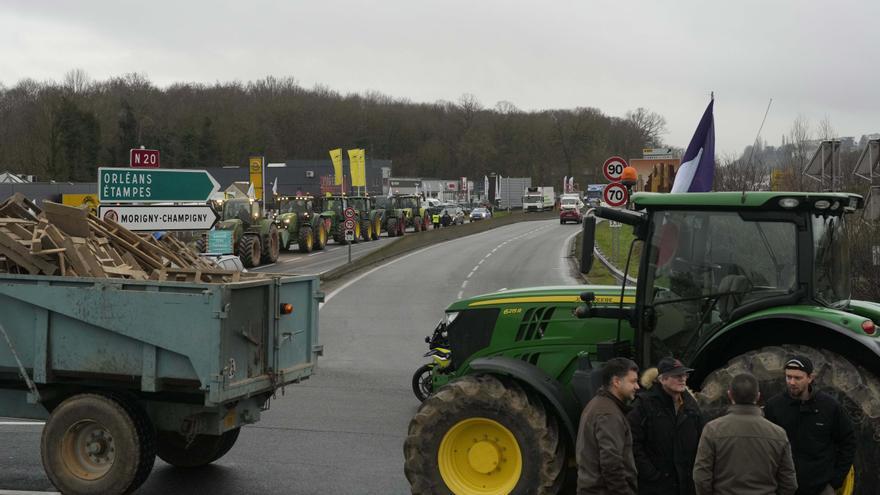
{"x":357,"y":164}
{"x":336,"y":157}
{"x":256,"y":175}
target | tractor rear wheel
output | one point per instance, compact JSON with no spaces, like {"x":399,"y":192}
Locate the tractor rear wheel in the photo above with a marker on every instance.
{"x":391,"y":227}
{"x":854,"y":387}
{"x":320,"y":236}
{"x":339,"y":237}
{"x":271,"y":246}
{"x":306,"y":239}
{"x":357,"y":232}
{"x":480,"y":434}
{"x":249,"y":251}
{"x":417,"y":224}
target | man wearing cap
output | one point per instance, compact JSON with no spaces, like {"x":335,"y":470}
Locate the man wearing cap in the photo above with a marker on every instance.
{"x":666,"y":424}
{"x":822,"y":440}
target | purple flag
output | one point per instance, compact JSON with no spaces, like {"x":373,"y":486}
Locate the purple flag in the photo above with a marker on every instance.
{"x":697,"y":170}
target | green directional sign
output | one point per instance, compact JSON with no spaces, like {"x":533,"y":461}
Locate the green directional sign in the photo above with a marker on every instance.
{"x":128,"y":185}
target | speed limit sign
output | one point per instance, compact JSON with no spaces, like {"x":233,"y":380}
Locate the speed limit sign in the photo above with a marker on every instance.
{"x":613,"y":168}
{"x":349,"y":212}
{"x":615,"y":194}
{"x":349,"y":224}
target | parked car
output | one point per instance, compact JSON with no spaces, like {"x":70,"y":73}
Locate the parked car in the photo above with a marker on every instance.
{"x":480,"y":214}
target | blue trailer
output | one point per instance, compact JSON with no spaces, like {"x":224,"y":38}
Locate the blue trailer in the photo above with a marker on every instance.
{"x":126,"y":370}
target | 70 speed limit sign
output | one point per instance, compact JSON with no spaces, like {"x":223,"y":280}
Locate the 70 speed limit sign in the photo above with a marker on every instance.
{"x":615,"y":194}
{"x":613,"y":168}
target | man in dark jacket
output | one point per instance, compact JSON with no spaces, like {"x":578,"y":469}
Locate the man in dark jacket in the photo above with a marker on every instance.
{"x":821,"y":434}
{"x":742,"y":453}
{"x":604,"y":444}
{"x":666,"y":425}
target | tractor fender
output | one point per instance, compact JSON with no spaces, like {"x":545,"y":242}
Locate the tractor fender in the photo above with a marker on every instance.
{"x":547,"y":387}
{"x":850,"y":339}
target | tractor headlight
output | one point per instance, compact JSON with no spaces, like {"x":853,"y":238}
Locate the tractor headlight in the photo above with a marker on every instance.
{"x":286,"y":221}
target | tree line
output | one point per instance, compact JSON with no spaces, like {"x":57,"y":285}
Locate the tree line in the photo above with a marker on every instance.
{"x":63,"y":130}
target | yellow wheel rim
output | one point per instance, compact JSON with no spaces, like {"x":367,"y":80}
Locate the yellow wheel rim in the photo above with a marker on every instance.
{"x":322,"y":235}
{"x":357,"y":230}
{"x":849,"y":484}
{"x":479,"y":456}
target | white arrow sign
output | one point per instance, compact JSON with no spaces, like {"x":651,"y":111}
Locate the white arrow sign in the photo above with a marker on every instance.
{"x":160,"y":217}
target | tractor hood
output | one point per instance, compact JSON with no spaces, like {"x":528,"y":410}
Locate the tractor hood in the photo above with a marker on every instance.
{"x":567,"y":294}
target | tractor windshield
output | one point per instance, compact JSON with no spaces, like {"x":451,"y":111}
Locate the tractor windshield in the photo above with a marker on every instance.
{"x":359,"y":204}
{"x":703,"y":265}
{"x":236,"y":209}
{"x":831,"y":261}
{"x":408,"y":202}
{"x":382,"y":202}
{"x":296,"y":206}
{"x":333,"y":204}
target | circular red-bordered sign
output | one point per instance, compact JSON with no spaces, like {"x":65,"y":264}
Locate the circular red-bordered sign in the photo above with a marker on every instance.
{"x":349,"y":224}
{"x":349,"y":212}
{"x":613,"y":168}
{"x":615,"y":194}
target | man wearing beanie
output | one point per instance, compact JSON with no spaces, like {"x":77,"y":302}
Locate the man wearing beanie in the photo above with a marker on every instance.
{"x":821,"y":434}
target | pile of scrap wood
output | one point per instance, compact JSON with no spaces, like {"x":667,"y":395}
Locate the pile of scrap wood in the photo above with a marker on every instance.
{"x":67,"y":241}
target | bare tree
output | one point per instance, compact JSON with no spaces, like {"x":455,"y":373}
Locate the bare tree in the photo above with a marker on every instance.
{"x":826,"y":130}
{"x":77,"y":81}
{"x":652,"y":124}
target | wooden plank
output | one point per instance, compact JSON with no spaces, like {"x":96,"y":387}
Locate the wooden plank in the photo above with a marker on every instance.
{"x":16,"y":246}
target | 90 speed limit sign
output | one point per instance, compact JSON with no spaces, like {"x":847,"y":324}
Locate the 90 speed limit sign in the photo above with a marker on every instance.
{"x":613,"y":168}
{"x":615,"y":194}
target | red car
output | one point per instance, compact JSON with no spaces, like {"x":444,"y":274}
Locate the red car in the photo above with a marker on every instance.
{"x":570,"y":215}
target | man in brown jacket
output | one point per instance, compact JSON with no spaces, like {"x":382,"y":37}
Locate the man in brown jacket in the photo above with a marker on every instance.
{"x":742,"y":453}
{"x":604,"y":445}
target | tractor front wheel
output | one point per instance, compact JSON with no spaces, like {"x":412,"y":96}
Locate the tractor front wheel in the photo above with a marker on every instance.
{"x":321,"y":236}
{"x":853,"y":386}
{"x":391,"y":227}
{"x":367,"y":230}
{"x":271,"y":246}
{"x":417,"y":224}
{"x":480,"y":434}
{"x":306,"y":239}
{"x":377,"y":227}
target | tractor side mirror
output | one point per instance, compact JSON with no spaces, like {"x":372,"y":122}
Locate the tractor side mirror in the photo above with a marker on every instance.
{"x":587,"y":242}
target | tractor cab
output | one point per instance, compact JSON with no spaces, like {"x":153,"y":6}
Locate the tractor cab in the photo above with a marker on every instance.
{"x":299,"y":205}
{"x":243,"y":209}
{"x":709,"y":259}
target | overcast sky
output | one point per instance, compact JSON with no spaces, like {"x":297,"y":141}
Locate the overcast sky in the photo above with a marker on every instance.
{"x":813,"y":58}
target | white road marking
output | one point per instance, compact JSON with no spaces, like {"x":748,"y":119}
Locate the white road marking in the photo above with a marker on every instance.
{"x":293,"y":259}
{"x":314,"y":254}
{"x":460,"y":293}
{"x":266,"y":266}
{"x":22,"y":423}
{"x":481,"y":262}
{"x":17,"y":492}
{"x":464,"y":284}
{"x":471,"y":274}
{"x":490,"y":254}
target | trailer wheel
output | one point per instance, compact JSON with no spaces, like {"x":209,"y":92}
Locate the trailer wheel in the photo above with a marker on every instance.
{"x":853,"y":386}
{"x":94,"y":444}
{"x":204,"y":449}
{"x":480,"y":434}
{"x":306,"y":239}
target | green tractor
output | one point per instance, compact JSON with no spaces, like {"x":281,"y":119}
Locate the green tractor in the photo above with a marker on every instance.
{"x":255,"y":238}
{"x":728,"y":282}
{"x":334,"y":217}
{"x":412,"y":212}
{"x":393,"y":220}
{"x":370,"y":216}
{"x":300,"y":224}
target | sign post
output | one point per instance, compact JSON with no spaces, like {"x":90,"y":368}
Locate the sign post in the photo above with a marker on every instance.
{"x":348,"y":213}
{"x":126,"y":185}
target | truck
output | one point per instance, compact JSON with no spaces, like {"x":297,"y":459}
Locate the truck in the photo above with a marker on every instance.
{"x":538,"y":198}
{"x":727,"y":282}
{"x":125,"y":370}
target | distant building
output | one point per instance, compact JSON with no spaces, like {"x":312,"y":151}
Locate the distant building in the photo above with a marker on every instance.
{"x":10,"y":178}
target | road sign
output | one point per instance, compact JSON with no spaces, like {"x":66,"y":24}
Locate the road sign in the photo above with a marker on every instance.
{"x":220,"y":242}
{"x":349,"y":235}
{"x":126,"y":185}
{"x":349,"y":224}
{"x":613,"y":168}
{"x":615,"y":194}
{"x":141,"y":158}
{"x":349,"y":212}
{"x":156,"y":218}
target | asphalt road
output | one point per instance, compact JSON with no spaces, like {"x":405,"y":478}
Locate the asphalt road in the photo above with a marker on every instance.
{"x":317,"y":262}
{"x":342,"y":431}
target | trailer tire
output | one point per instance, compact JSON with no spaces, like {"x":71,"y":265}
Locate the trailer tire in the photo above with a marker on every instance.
{"x":204,"y":449}
{"x":853,"y":386}
{"x":249,"y":251}
{"x":509,"y":419}
{"x":86,"y":434}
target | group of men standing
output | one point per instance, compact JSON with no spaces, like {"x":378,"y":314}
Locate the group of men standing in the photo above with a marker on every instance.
{"x":801,"y":443}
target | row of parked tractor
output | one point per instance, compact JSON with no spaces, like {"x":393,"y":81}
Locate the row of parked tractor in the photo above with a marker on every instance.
{"x":308,"y":223}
